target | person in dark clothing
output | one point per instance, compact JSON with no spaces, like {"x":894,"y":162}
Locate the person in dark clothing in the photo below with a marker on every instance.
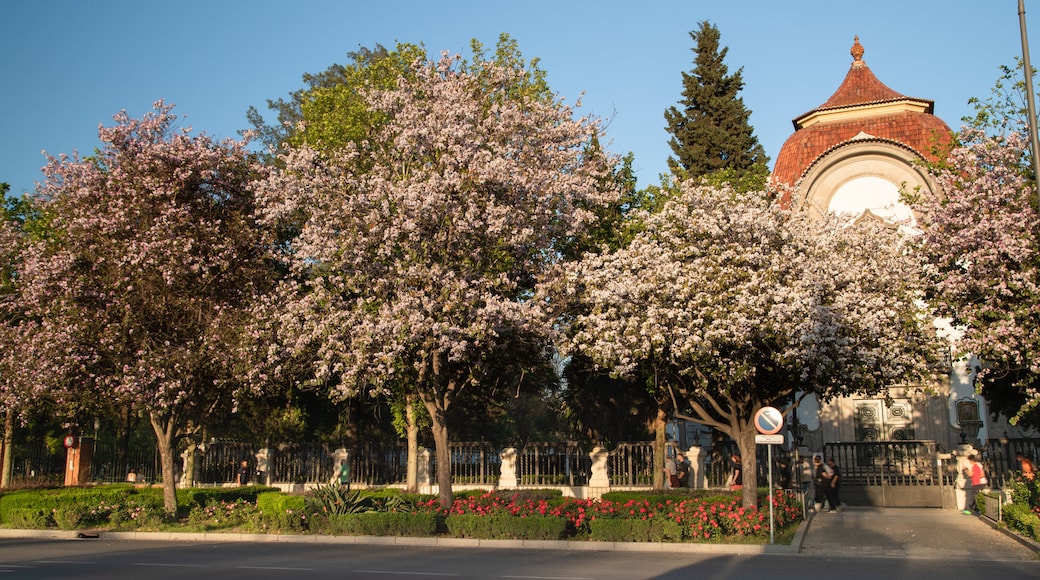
{"x":785,"y":479}
{"x":243,"y":473}
{"x":835,"y":487}
{"x":822,"y":479}
{"x":682,"y":470}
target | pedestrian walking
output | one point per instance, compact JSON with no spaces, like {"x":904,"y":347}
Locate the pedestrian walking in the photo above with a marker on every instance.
{"x":834,"y":491}
{"x":976,"y":477}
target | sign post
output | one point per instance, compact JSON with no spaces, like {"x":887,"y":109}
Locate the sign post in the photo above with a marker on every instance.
{"x":769,"y":421}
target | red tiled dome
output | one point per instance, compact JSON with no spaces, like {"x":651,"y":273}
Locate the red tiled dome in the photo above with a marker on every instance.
{"x":823,"y":128}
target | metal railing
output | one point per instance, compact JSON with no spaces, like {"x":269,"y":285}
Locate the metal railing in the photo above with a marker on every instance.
{"x":631,"y":464}
{"x":904,"y":463}
{"x":553,"y":464}
{"x":379,"y":463}
{"x":301,"y":463}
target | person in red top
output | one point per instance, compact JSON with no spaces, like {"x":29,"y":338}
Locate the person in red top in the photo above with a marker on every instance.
{"x":977,"y":480}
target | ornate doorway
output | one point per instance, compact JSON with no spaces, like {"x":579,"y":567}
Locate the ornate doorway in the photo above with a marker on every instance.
{"x":877,"y":421}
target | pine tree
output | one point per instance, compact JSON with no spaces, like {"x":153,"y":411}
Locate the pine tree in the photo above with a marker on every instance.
{"x":709,"y":127}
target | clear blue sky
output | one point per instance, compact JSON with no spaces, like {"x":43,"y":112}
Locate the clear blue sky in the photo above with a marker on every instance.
{"x":69,"y":65}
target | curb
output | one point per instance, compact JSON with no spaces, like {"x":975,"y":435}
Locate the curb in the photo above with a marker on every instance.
{"x":662,"y":547}
{"x":1027,"y":542}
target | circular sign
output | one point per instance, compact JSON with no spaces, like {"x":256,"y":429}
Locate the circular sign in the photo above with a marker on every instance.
{"x":70,"y":441}
{"x":769,"y":421}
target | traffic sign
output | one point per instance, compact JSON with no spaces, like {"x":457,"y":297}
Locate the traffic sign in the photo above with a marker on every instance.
{"x":770,"y":439}
{"x":769,"y":420}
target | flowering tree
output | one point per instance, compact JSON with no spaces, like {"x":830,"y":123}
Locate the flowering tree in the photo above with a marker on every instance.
{"x":982,"y":241}
{"x":417,"y":251}
{"x":153,"y":258}
{"x":736,"y":304}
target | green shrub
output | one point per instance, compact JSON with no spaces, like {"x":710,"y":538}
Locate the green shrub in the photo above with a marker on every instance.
{"x":28,"y":519}
{"x":662,"y":496}
{"x":1021,"y":519}
{"x":276,"y":501}
{"x":506,"y":527}
{"x":203,"y":496}
{"x":69,"y":518}
{"x":384,"y":524}
{"x":633,"y":530}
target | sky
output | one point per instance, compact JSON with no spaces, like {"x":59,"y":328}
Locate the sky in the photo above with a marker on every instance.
{"x":69,"y":65}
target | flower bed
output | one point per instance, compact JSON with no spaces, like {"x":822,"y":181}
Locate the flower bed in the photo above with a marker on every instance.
{"x":527,"y":514}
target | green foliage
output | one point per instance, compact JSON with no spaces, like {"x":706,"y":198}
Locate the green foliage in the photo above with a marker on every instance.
{"x":710,"y":128}
{"x":27,"y":519}
{"x":385,"y":524}
{"x":629,"y":530}
{"x":1006,"y":108}
{"x":188,"y":497}
{"x":506,"y":527}
{"x":276,"y":501}
{"x":1023,"y":513}
{"x":664,"y":496}
{"x":69,"y":518}
{"x":1021,"y":519}
{"x":332,"y":499}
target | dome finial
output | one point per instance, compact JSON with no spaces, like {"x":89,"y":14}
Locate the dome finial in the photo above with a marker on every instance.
{"x":857,"y":52}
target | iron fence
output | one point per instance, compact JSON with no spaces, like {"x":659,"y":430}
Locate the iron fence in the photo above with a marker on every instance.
{"x":379,"y":463}
{"x":37,"y":463}
{"x":631,"y":463}
{"x":565,"y":463}
{"x":905,"y":463}
{"x":301,"y":463}
{"x":999,"y":460}
{"x":475,"y":463}
{"x":218,"y":460}
{"x":111,"y":464}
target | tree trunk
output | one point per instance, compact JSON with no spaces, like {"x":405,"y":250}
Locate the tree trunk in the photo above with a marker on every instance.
{"x":412,"y":433}
{"x":439,"y":426}
{"x":660,"y":448}
{"x":748,"y":465}
{"x":164,"y":430}
{"x":8,"y":450}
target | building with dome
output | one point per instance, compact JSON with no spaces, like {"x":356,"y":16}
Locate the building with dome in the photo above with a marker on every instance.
{"x":855,"y":154}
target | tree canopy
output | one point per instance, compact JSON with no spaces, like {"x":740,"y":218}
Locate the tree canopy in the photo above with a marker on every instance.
{"x":982,"y":242}
{"x":419,"y":249}
{"x":710,"y":128}
{"x":152,"y":261}
{"x":733,"y":303}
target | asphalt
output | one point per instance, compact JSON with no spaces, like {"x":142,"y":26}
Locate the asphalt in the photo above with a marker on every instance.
{"x":912,"y":533}
{"x":918,"y":533}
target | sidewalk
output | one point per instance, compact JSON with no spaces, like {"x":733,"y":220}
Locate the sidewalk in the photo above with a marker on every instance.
{"x":911,"y":533}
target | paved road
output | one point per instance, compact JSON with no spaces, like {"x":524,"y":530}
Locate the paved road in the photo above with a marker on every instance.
{"x":45,"y":558}
{"x":855,"y":544}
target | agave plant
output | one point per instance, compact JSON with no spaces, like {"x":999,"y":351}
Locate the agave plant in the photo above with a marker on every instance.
{"x":333,"y":499}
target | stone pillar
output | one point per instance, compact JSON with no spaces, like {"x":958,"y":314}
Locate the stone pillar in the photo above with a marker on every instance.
{"x":340,"y":467}
{"x":263,"y":466}
{"x":698,"y":457}
{"x":507,"y":478}
{"x":422,"y":475}
{"x":78,"y":457}
{"x":600,"y":477}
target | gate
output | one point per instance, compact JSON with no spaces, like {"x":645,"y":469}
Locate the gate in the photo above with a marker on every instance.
{"x":894,"y":473}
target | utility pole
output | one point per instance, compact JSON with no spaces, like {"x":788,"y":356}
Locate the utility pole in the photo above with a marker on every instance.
{"x":1034,"y":142}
